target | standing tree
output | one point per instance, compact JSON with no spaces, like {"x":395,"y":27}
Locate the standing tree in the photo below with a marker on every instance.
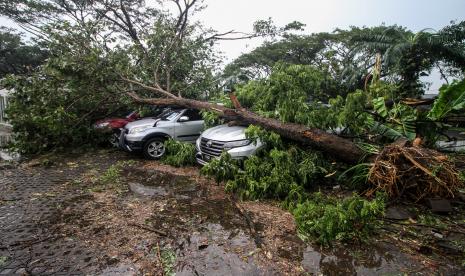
{"x":15,"y":56}
{"x":411,"y":55}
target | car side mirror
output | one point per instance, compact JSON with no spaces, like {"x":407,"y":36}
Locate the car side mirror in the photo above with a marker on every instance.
{"x":183,"y":119}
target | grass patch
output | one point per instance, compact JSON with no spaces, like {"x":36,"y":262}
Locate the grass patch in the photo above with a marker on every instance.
{"x":168,"y":259}
{"x":110,"y":178}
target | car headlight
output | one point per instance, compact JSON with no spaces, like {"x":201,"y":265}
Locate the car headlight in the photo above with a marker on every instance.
{"x":197,"y":143}
{"x":236,"y":144}
{"x":139,"y":129}
{"x":102,"y":125}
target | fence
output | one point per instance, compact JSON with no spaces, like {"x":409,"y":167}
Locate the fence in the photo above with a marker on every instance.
{"x":3,"y":105}
{"x":5,"y":128}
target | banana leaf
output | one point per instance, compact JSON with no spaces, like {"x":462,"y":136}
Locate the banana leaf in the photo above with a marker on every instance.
{"x":451,"y":97}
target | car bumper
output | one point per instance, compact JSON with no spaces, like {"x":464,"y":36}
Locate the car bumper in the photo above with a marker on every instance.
{"x":240,"y":153}
{"x":128,"y":145}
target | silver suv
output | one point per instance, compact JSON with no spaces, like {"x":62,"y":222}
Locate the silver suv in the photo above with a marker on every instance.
{"x":148,"y":135}
{"x":231,"y":139}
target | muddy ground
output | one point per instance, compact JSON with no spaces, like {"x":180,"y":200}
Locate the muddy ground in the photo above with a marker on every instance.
{"x":109,"y":213}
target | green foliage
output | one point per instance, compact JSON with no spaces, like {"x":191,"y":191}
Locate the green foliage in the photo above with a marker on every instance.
{"x":210,"y":119}
{"x":358,"y":176}
{"x":286,"y":172}
{"x":179,"y":153}
{"x":380,"y":107}
{"x":168,"y":258}
{"x":111,"y":175}
{"x":383,"y":89}
{"x":17,"y":57}
{"x":82,"y":80}
{"x":410,"y":55}
{"x":269,"y":138}
{"x":279,"y":171}
{"x":329,"y":219}
{"x":286,"y":93}
{"x":56,"y":105}
{"x":451,"y":98}
{"x":278,"y":174}
{"x":222,"y":169}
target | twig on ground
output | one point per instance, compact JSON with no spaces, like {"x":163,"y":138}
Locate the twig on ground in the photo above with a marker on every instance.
{"x":146,"y":228}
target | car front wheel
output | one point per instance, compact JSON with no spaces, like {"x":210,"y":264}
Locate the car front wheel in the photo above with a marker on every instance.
{"x":154,"y":148}
{"x":114,"y":140}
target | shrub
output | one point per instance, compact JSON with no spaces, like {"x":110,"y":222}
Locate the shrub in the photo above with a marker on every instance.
{"x":179,"y":153}
{"x":328,"y":219}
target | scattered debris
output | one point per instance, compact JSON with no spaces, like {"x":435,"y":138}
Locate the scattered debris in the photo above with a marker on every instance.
{"x":413,"y":172}
{"x":146,"y":228}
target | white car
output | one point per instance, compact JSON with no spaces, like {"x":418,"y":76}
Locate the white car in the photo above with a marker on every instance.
{"x":213,"y":141}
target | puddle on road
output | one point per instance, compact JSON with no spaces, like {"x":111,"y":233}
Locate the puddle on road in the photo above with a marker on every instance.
{"x":216,"y":251}
{"x":381,"y":258}
{"x":211,"y":237}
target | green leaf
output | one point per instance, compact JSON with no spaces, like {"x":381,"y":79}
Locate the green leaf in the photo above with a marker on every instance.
{"x":380,"y":107}
{"x":451,"y":97}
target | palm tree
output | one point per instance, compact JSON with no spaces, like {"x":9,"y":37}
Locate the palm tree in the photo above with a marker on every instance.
{"x":410,"y":55}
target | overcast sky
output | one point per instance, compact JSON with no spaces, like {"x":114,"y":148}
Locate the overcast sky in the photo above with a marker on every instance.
{"x":326,"y":15}
{"x":323,"y":16}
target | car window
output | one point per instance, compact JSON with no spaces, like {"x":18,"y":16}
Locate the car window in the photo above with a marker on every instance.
{"x":193,"y":114}
{"x":170,"y":115}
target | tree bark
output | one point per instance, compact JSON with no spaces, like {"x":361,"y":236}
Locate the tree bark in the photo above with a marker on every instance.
{"x":341,"y":148}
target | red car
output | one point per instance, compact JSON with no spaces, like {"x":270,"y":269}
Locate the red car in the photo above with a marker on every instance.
{"x":113,"y":126}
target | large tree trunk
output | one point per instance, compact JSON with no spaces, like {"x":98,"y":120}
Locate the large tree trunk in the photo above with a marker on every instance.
{"x":343,"y":149}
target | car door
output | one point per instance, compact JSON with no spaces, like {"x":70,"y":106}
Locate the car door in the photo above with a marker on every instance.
{"x":189,"y":131}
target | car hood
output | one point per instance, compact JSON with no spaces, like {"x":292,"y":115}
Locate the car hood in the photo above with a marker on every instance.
{"x":142,"y":122}
{"x":225,"y":133}
{"x":110,"y":120}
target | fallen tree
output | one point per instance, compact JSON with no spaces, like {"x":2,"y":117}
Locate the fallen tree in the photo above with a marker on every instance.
{"x":344,"y":149}
{"x":399,"y":169}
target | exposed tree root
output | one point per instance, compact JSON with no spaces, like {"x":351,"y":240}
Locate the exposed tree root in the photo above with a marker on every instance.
{"x":413,"y":172}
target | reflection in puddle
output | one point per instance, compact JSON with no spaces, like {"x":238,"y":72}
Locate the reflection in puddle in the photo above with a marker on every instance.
{"x":147,"y":190}
{"x":215,"y":251}
{"x":381,"y":258}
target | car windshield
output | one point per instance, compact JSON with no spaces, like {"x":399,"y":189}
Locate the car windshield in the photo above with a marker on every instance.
{"x":170,"y":115}
{"x":165,"y":112}
{"x":131,"y":114}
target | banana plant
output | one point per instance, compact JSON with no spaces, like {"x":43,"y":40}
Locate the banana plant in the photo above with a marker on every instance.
{"x":451,"y":98}
{"x":400,"y":120}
